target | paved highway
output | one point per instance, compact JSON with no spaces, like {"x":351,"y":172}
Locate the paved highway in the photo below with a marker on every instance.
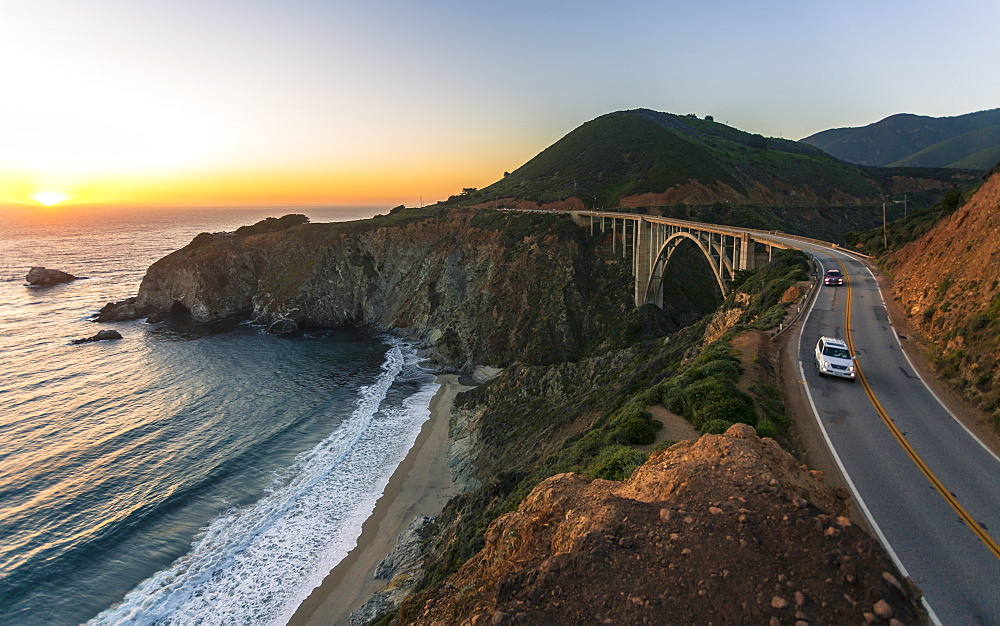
{"x":936,"y":507}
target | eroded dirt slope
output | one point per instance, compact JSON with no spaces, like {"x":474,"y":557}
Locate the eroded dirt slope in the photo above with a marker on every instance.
{"x":948,"y":284}
{"x":724,"y":529}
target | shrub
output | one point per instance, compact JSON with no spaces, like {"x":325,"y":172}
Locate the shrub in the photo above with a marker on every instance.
{"x":653,"y":395}
{"x":723,"y":369}
{"x":766,"y":428}
{"x":633,"y":411}
{"x":715,"y":427}
{"x":615,"y":462}
{"x":637,"y":431}
{"x":737,"y":407}
{"x":673,"y":399}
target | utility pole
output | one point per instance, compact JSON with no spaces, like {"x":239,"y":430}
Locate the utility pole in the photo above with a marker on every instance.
{"x":903,"y":202}
{"x":885,"y":238}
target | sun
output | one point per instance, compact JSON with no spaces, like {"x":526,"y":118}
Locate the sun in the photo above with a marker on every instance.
{"x":49,"y":198}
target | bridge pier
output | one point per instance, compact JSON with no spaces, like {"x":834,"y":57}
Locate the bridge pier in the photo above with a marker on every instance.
{"x":641,"y":265}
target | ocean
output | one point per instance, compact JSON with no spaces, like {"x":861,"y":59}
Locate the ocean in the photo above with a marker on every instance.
{"x":208,"y":474}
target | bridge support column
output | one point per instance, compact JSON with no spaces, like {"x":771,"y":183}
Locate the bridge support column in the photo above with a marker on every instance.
{"x":746,"y":260}
{"x":641,"y":261}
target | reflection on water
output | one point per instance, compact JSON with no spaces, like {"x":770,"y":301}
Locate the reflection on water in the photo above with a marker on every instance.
{"x":114,"y":454}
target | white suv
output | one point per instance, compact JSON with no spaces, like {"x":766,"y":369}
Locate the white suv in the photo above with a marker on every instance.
{"x":834,"y":358}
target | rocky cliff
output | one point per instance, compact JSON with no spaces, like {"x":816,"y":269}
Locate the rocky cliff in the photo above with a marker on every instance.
{"x":474,"y":286}
{"x":725,"y":529}
{"x":948,"y":283}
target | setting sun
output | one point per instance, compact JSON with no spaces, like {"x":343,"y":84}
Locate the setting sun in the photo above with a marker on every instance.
{"x":49,"y":198}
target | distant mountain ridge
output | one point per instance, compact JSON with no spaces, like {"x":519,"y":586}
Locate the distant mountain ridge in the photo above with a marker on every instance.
{"x":970,"y":141}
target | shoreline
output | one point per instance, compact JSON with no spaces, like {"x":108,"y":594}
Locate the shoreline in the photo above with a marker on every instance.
{"x":421,"y":485}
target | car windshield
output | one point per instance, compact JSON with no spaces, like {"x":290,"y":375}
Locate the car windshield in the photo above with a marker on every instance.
{"x":838,"y":353}
{"x":833,"y":272}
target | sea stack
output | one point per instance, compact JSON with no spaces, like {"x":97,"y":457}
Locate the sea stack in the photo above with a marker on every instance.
{"x":42,"y":277}
{"x":103,"y":335}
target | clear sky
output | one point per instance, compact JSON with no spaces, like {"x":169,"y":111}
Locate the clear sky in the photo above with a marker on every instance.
{"x":387,"y":102}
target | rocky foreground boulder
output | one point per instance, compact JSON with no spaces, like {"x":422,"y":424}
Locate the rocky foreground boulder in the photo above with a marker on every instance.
{"x":42,"y":277}
{"x":725,"y":529}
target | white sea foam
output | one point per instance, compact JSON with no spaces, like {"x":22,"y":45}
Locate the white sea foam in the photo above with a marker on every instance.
{"x":257,"y":564}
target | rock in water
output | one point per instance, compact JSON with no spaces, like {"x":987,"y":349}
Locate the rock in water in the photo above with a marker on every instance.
{"x":117,"y":311}
{"x":43,"y":277}
{"x":103,"y":335}
{"x":282,"y":326}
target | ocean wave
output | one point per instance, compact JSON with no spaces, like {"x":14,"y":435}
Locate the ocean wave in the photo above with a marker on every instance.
{"x":258,"y":563}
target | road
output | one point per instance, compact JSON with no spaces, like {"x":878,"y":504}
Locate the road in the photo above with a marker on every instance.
{"x":926,"y":503}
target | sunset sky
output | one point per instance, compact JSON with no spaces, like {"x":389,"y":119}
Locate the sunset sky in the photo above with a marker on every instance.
{"x":386,"y":102}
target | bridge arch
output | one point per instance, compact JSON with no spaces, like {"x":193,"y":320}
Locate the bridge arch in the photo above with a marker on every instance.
{"x":650,"y":241}
{"x":720,"y":264}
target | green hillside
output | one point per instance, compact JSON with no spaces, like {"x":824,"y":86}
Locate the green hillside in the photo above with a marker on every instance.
{"x":980,"y":160}
{"x":635,"y":152}
{"x":897,"y":138}
{"x":979,"y":149}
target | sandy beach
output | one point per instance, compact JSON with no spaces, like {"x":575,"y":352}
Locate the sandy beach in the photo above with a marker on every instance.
{"x":421,"y":485}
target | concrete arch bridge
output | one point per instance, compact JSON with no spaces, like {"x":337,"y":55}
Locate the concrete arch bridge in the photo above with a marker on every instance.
{"x":650,"y":241}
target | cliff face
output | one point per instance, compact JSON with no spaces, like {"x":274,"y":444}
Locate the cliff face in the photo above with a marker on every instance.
{"x":947,"y":283}
{"x":726,"y":529}
{"x":486,"y":287}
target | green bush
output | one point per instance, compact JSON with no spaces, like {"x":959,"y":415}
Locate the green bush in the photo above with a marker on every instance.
{"x":653,"y":395}
{"x":715,"y":427}
{"x":766,"y":428}
{"x":633,"y":411}
{"x":737,"y":407}
{"x":638,"y":431}
{"x":673,"y":399}
{"x":725,"y":369}
{"x":615,"y":462}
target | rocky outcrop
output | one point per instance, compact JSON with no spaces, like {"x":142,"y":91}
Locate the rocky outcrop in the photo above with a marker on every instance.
{"x":42,"y":277}
{"x":402,"y":569}
{"x":475,"y":287}
{"x":104,"y":335}
{"x":725,"y":529}
{"x":117,"y":311}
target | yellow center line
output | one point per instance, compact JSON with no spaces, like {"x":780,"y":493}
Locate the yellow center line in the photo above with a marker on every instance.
{"x":949,"y":498}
